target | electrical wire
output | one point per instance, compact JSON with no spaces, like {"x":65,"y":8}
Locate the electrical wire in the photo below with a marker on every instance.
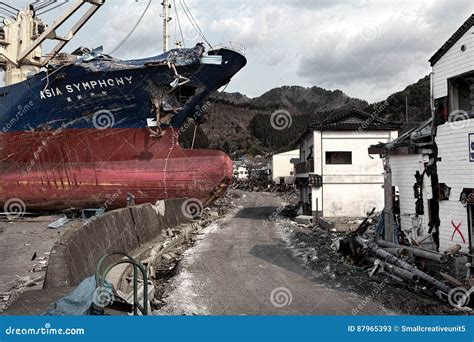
{"x":52,"y":8}
{"x":201,"y":33}
{"x":11,"y":7}
{"x":193,"y":21}
{"x":179,"y":23}
{"x":132,"y":30}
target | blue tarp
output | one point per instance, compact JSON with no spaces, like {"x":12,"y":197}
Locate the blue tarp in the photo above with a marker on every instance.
{"x":78,"y":302}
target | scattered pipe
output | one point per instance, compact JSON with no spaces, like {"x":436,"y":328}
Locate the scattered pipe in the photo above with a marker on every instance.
{"x":400,"y":252}
{"x":453,"y":250}
{"x":402,"y":273}
{"x":392,"y":269}
{"x":392,"y":259}
{"x":416,"y":251}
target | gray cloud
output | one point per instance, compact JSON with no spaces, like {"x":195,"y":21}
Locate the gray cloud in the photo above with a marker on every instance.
{"x":381,"y":50}
{"x":367,"y":48}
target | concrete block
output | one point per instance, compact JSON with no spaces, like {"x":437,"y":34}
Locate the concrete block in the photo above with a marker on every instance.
{"x":123,"y":230}
{"x":304,"y":219}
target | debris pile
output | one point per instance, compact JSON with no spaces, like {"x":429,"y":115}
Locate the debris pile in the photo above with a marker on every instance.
{"x":162,"y":260}
{"x":259,"y":185}
{"x":383,"y":271}
{"x":424,"y":270}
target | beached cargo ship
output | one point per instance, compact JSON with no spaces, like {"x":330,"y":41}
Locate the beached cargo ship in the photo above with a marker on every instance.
{"x":76,"y":129}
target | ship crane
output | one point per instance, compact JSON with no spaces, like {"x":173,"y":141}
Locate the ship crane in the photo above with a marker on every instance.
{"x":22,"y":36}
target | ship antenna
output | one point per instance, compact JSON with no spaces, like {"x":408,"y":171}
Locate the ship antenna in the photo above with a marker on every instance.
{"x":166,"y":20}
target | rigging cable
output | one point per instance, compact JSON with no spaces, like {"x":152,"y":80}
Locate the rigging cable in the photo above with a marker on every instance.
{"x":179,"y":23}
{"x":132,"y":30}
{"x":196,"y":25}
{"x":193,"y":21}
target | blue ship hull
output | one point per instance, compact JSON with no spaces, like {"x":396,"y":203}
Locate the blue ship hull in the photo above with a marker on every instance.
{"x":83,"y":133}
{"x":69,"y":97}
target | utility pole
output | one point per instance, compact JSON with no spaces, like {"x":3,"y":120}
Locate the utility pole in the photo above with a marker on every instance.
{"x":388,"y":210}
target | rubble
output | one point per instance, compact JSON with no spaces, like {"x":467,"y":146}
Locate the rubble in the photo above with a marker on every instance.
{"x":304,"y":219}
{"x":410,"y":269}
{"x":259,"y":185}
{"x":58,"y":223}
{"x":162,"y":261}
{"x":342,"y":262}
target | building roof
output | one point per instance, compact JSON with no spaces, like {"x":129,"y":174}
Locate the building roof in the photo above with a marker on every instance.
{"x":452,"y":40}
{"x":355,"y":120}
{"x":412,"y":136}
{"x":287,"y":153}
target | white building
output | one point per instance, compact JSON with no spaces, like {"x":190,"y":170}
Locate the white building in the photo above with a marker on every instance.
{"x":281,"y":167}
{"x":440,"y":205}
{"x":240,"y":172}
{"x":336,"y":176}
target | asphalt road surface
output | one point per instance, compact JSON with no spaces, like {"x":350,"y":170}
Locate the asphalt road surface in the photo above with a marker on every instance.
{"x":243,"y":266}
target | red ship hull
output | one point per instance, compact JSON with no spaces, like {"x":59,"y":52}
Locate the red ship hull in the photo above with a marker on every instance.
{"x":80,"y":168}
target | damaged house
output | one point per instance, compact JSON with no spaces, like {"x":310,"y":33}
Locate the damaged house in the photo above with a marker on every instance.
{"x":335,"y":171}
{"x":429,"y":192}
{"x":429,"y":175}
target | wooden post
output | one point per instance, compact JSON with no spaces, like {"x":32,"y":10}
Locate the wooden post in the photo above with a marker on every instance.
{"x":388,"y":211}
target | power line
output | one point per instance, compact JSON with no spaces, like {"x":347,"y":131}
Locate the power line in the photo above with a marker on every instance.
{"x":132,"y":30}
{"x":193,"y":21}
{"x":179,"y":23}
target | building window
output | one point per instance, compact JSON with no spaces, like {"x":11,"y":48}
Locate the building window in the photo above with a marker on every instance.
{"x":339,"y":157}
{"x":460,"y":93}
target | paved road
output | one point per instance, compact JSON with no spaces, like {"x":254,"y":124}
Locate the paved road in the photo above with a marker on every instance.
{"x":242,"y":266}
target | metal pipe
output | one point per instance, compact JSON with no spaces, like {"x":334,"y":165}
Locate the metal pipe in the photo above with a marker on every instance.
{"x":402,"y":273}
{"x":392,"y":259}
{"x":416,"y":251}
{"x":400,"y":252}
{"x":392,"y":269}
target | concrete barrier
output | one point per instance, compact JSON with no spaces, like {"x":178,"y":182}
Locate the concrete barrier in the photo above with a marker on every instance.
{"x":75,"y":256}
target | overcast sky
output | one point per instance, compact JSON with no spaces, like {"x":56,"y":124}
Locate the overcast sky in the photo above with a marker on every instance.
{"x":367,"y":48}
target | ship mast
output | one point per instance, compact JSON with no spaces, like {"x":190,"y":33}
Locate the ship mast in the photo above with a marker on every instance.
{"x":166,"y":19}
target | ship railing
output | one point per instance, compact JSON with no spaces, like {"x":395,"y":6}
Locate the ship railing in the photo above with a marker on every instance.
{"x":234,"y":46}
